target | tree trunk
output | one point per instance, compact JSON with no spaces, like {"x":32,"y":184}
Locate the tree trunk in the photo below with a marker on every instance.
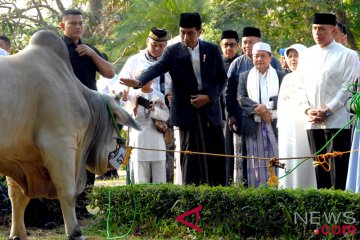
{"x":95,"y":9}
{"x":342,"y":18}
{"x":60,"y":6}
{"x":94,"y":13}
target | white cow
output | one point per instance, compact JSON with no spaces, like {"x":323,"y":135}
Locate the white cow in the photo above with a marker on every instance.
{"x":51,"y":129}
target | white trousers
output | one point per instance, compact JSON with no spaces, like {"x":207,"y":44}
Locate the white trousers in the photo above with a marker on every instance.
{"x":144,"y":170}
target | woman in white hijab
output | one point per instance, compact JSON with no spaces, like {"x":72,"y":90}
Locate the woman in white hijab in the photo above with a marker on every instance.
{"x":293,"y":140}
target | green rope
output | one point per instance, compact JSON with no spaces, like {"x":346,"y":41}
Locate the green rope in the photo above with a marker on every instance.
{"x":318,"y":152}
{"x":112,"y":116}
{"x":109,"y":215}
{"x":355,"y":101}
{"x":355,"y":106}
{"x":131,"y":185}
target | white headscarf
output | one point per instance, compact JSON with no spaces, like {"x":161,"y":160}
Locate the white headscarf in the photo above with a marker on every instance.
{"x":297,"y":47}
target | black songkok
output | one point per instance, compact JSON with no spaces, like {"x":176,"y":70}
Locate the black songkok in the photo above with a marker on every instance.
{"x":251,"y":32}
{"x":158,"y":34}
{"x":229,"y":34}
{"x":341,"y":27}
{"x":324,"y":18}
{"x":190,"y":20}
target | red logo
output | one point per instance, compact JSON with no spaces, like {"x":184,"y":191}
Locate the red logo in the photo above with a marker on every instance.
{"x":196,"y":210}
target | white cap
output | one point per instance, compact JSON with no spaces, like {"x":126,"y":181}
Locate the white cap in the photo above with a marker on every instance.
{"x":3,"y":52}
{"x":261,"y":46}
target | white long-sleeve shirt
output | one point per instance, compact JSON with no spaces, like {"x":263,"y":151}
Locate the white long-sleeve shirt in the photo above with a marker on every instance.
{"x":135,"y":65}
{"x":149,"y":137}
{"x":325,"y":74}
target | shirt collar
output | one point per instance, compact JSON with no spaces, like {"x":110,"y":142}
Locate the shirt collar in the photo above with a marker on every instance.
{"x":149,"y":57}
{"x":196,"y":48}
{"x":69,"y":42}
{"x":230,"y":59}
{"x":265,"y":73}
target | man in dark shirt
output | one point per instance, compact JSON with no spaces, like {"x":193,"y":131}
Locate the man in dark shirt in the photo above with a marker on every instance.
{"x":85,"y":60}
{"x":229,"y":47}
{"x":230,"y":51}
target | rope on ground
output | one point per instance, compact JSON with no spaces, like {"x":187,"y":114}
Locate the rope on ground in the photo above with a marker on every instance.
{"x":109,"y":214}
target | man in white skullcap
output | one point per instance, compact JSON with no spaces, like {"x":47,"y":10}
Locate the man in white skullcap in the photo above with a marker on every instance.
{"x":258,"y":92}
{"x":250,"y":36}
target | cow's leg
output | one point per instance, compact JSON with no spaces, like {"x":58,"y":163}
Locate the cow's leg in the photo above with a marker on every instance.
{"x":62,"y":172}
{"x":72,"y":226}
{"x":18,"y":204}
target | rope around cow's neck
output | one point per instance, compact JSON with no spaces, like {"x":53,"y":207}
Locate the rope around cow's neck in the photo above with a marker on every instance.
{"x":131,"y":185}
{"x":112,"y":115}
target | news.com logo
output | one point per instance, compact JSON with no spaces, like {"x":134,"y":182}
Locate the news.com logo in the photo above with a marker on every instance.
{"x":342,"y":223}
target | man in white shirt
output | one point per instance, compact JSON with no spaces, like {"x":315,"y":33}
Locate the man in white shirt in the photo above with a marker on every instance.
{"x":155,"y":45}
{"x":135,"y":65}
{"x":326,"y":70}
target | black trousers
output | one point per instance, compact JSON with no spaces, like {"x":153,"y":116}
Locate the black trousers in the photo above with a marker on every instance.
{"x":339,"y":165}
{"x":201,"y":169}
{"x":229,"y":150}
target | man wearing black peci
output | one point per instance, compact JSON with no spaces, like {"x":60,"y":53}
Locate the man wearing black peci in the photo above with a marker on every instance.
{"x":198,"y":78}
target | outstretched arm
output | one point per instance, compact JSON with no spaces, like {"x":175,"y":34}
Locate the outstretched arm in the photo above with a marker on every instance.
{"x":130,"y":82}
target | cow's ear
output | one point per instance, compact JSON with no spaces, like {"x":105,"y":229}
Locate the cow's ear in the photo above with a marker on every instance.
{"x":122,"y":116}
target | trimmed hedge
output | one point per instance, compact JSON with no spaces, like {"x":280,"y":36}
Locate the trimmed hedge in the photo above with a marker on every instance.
{"x":228,"y":212}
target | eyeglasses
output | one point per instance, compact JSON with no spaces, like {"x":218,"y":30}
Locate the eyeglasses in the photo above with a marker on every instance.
{"x":231,"y":45}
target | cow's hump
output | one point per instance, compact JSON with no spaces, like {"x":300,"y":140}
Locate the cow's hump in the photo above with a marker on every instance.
{"x":51,"y":41}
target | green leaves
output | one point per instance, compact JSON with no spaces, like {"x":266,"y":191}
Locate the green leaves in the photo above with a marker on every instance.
{"x":142,"y":15}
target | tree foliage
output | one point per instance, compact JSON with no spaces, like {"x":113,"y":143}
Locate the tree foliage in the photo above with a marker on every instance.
{"x":283,"y":22}
{"x":120,"y":27}
{"x":20,"y":19}
{"x":141,"y":15}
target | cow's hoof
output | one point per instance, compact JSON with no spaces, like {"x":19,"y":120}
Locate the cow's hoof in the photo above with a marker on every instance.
{"x":14,"y":238}
{"x":76,"y":238}
{"x":76,"y":234}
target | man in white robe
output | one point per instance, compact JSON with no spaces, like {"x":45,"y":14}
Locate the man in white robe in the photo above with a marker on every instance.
{"x":326,"y":70}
